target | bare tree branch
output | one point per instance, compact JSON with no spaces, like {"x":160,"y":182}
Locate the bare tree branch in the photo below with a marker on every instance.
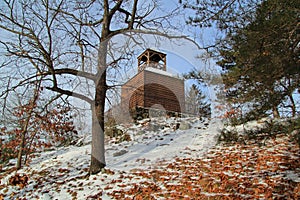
{"x":70,"y":93}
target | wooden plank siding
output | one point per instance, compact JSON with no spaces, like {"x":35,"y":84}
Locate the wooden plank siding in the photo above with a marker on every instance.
{"x":168,"y":91}
{"x":148,"y":88}
{"x":129,"y":88}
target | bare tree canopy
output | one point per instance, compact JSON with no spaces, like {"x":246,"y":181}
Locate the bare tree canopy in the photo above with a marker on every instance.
{"x":68,"y":43}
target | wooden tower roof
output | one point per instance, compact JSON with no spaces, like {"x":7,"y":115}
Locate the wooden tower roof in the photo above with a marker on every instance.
{"x":152,"y":58}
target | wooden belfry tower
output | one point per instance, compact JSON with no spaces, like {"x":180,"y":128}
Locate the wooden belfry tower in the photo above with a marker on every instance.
{"x":151,"y":58}
{"x":153,"y":86}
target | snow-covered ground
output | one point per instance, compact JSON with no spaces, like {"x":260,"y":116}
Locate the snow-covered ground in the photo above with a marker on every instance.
{"x":161,"y":162}
{"x":164,"y":144}
{"x":54,"y":174}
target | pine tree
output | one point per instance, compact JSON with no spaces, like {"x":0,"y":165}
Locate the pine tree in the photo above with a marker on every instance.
{"x":261,"y":61}
{"x":196,"y":104}
{"x":259,"y":50}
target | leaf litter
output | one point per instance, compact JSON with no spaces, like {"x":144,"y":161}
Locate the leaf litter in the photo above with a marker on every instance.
{"x":164,"y":164}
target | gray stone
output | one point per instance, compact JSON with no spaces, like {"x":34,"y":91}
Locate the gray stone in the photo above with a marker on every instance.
{"x":120,"y":153}
{"x":184,"y":125}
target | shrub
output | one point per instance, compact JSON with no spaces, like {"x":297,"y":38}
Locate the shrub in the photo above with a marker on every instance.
{"x":228,"y":136}
{"x":36,"y":130}
{"x":260,"y":134}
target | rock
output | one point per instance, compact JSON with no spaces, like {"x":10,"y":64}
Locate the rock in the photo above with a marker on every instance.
{"x":296,"y":135}
{"x":206,"y":124}
{"x":84,"y":140}
{"x":144,"y":121}
{"x":154,"y":127}
{"x":120,"y":153}
{"x":184,"y":125}
{"x":295,"y":132}
{"x":79,"y":142}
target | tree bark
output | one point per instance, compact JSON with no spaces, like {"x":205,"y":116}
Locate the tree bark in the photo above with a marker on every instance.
{"x":293,"y":106}
{"x":98,"y":149}
{"x":23,"y":134}
{"x":25,"y":126}
{"x":20,"y":152}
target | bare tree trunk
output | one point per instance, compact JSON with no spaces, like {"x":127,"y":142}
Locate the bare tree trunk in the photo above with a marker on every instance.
{"x":25,"y":126}
{"x":21,"y":148}
{"x":289,"y":93}
{"x":24,"y":132}
{"x":98,"y":150}
{"x":293,"y":106}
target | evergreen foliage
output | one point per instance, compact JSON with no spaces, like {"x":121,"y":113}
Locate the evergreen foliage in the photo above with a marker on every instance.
{"x":261,"y":61}
{"x":196,"y":102}
{"x":258,"y":52}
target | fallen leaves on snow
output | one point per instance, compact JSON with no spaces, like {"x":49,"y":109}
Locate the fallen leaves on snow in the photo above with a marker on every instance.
{"x":226,"y":172}
{"x":232,"y":172}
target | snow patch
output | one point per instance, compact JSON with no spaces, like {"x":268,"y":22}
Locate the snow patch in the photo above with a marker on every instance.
{"x":159,"y":71}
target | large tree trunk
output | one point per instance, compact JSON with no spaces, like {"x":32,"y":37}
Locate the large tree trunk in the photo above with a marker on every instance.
{"x":98,"y":149}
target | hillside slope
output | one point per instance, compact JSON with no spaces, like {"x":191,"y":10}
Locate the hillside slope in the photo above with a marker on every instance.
{"x":162,"y":163}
